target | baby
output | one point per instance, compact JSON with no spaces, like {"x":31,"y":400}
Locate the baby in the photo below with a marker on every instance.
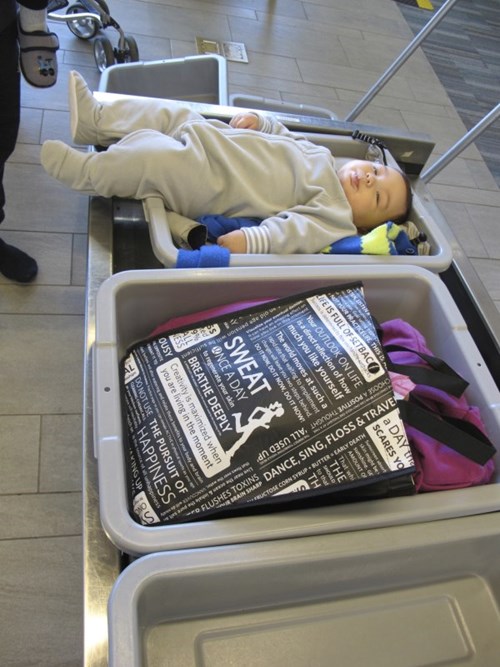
{"x":252,"y":167}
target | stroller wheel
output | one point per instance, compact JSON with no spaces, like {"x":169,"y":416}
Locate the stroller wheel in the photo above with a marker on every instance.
{"x":103,"y":53}
{"x":82,"y":28}
{"x":131,"y":51}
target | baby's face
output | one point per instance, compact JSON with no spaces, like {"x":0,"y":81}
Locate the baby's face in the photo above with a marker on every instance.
{"x":376,"y":193}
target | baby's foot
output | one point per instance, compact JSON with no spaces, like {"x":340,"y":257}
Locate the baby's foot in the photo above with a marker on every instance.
{"x":67,"y":165}
{"x":84,"y":111}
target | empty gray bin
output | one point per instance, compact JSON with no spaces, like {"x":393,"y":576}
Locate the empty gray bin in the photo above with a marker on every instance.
{"x":200,"y":79}
{"x":131,"y":304}
{"x":268,"y":104}
{"x":417,"y":596}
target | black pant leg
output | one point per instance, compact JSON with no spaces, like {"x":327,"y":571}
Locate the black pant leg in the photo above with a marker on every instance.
{"x":10,"y":101}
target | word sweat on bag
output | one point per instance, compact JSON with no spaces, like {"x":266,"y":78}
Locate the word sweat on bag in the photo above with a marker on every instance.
{"x":289,"y":397}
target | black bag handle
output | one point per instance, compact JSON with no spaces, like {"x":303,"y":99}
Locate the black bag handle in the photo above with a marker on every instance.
{"x":440,"y":375}
{"x":462,"y":436}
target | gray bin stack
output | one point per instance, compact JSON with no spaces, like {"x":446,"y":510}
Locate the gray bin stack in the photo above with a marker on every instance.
{"x":411,"y":581}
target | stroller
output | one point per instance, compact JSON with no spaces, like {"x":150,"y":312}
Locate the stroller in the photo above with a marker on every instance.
{"x":85,"y":18}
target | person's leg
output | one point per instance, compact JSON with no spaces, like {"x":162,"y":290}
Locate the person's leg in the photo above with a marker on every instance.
{"x":14,"y":264}
{"x":33,"y":16}
{"x":103,"y":123}
{"x":9,"y":102}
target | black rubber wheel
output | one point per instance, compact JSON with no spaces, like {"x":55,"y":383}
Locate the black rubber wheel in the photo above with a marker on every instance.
{"x":82,"y":28}
{"x":103,"y":53}
{"x":131,"y":54}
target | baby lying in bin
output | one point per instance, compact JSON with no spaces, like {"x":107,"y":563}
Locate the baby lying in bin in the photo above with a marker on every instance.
{"x":252,"y":167}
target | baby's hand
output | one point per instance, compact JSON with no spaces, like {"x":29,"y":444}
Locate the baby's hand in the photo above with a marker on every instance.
{"x":245,"y":121}
{"x":234,"y":241}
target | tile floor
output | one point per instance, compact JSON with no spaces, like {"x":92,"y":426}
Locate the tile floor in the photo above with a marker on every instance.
{"x":323,"y":52}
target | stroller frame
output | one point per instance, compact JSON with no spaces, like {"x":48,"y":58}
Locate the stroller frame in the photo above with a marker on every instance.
{"x":85,"y":18}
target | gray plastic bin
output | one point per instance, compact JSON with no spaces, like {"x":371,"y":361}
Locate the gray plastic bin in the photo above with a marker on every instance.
{"x":204,"y":79}
{"x":416,"y":596}
{"x":131,"y":304}
{"x":268,"y":104}
{"x":200,"y":79}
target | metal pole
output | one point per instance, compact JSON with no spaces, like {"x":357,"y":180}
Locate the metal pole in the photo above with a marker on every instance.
{"x":468,"y":138}
{"x":400,"y":61}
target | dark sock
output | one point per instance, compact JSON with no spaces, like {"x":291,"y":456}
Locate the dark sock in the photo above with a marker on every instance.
{"x":16,"y":264}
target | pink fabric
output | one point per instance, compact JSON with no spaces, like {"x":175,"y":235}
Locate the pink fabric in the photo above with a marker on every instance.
{"x":438,"y":466}
{"x":202,"y":315}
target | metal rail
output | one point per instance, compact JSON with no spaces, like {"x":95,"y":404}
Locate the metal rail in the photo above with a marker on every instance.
{"x":400,"y":60}
{"x":457,"y":148}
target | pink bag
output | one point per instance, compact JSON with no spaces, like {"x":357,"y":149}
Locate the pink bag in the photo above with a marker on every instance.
{"x":437,"y":412}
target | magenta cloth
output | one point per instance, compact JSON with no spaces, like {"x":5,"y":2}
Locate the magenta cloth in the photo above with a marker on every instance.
{"x":438,"y":467}
{"x":203,"y":315}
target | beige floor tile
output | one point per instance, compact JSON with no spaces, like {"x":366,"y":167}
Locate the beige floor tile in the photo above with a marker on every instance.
{"x":246,"y":9}
{"x":36,"y":299}
{"x":278,"y":67}
{"x":466,"y":173}
{"x":19,"y":454}
{"x":366,"y":52}
{"x":40,"y":515}
{"x":464,"y":195}
{"x":335,"y":30}
{"x":79,"y":260}
{"x":382,"y":117}
{"x":158,"y":48}
{"x":56,"y":126}
{"x":51,"y":251}
{"x":488,"y":271}
{"x":444,"y":131}
{"x":349,"y":78}
{"x":417,"y":106}
{"x":173,"y":22}
{"x":459,"y":220}
{"x":282,"y":39}
{"x":41,"y":615}
{"x":34,"y":205}
{"x":387,"y":20}
{"x":24,"y":153}
{"x":61,"y":453}
{"x":80,"y":59}
{"x":481,"y":175}
{"x":486,"y":221}
{"x":42,"y":355}
{"x":30,"y":125}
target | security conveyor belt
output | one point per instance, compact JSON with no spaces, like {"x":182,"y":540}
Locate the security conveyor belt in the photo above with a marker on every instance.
{"x":118,"y":240}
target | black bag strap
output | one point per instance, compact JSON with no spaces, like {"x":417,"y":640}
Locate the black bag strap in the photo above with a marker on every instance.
{"x":439,"y":375}
{"x":462,"y":436}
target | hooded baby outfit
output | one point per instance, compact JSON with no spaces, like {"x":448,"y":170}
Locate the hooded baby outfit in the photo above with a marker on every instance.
{"x":197,"y":166}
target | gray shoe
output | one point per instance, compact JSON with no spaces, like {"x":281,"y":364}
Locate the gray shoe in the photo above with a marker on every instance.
{"x":37,"y":57}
